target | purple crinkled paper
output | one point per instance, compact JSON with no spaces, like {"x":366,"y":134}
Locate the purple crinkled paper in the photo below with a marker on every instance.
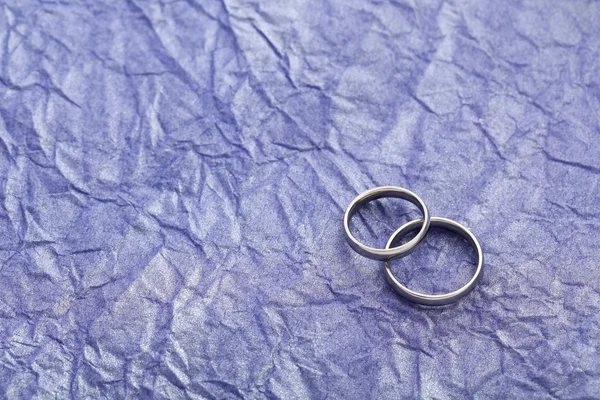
{"x":174,"y":175}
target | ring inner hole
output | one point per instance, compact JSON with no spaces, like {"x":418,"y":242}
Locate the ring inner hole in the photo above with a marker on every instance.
{"x":374,"y":222}
{"x":443,"y":262}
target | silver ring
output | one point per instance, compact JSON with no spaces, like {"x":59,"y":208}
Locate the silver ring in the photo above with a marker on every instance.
{"x":435,"y":299}
{"x":377,"y":193}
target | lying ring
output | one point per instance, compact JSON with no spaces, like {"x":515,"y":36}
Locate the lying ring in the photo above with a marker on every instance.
{"x":377,"y":193}
{"x":435,"y":299}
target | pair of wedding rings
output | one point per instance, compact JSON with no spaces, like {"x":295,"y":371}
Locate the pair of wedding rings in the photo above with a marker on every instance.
{"x":422,"y":225}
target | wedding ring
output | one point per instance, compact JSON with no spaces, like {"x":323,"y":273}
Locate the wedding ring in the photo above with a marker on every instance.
{"x":389,"y":252}
{"x":435,"y":299}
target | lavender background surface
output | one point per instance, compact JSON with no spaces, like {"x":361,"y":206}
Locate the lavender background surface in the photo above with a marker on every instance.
{"x":173,"y":176}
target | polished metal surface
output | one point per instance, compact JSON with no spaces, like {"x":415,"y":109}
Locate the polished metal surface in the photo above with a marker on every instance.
{"x":377,"y":193}
{"x":435,"y":299}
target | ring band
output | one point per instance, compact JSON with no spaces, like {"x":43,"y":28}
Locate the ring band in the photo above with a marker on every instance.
{"x":436,"y":299}
{"x":377,"y":193}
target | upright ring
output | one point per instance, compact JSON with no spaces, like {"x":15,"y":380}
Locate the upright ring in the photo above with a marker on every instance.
{"x":377,"y":193}
{"x":435,"y":299}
